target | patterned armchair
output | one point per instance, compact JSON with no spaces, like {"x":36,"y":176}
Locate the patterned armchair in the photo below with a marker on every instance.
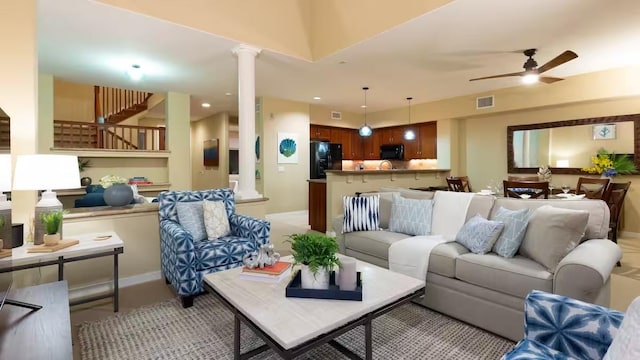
{"x":184,"y":261}
{"x":558,"y":327}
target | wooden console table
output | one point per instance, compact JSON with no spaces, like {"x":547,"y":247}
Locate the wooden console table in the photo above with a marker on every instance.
{"x":39,"y":334}
{"x":90,"y":246}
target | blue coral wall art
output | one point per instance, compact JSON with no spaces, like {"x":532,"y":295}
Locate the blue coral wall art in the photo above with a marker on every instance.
{"x":287,"y":148}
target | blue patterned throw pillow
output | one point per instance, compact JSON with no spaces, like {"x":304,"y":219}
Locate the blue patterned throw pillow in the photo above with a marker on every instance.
{"x":361,"y":213}
{"x":479,"y":234}
{"x":515,"y":226}
{"x":410,"y":216}
{"x":191,"y":217}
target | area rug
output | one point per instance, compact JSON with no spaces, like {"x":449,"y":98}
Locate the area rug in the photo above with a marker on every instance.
{"x":205,"y":331}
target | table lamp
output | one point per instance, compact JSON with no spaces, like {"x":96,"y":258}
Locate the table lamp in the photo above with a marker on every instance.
{"x":5,"y":205}
{"x":45,"y":172}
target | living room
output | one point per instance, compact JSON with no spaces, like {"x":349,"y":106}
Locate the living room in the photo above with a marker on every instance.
{"x":462,"y":129}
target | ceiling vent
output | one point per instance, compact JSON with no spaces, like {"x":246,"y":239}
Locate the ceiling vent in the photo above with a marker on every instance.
{"x":484,"y":102}
{"x":336,"y":115}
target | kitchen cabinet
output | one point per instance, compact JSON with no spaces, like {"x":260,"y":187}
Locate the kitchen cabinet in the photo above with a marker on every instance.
{"x":371,"y":145}
{"x":318,"y":205}
{"x":319,"y":132}
{"x":342,"y":136}
{"x":391,"y":135}
{"x":425,"y":145}
{"x":356,"y":145}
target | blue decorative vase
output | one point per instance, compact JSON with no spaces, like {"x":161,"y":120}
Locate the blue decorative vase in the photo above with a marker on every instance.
{"x":118,"y":195}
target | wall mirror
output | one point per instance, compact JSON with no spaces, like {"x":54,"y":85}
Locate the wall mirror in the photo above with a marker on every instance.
{"x":567,"y":146}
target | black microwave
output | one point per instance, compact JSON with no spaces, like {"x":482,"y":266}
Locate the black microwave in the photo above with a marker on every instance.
{"x":392,"y":152}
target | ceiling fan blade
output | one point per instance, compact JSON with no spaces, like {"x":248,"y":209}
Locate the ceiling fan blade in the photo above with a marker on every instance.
{"x":557,"y":61}
{"x":548,"y":79}
{"x":519,"y":73}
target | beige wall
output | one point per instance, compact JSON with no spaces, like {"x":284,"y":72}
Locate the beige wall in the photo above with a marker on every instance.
{"x":285,"y":184}
{"x":210,"y":177}
{"x":73,"y":101}
{"x":177,"y":109}
{"x":319,"y":114}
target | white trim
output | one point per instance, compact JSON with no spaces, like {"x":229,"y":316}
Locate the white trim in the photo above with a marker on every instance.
{"x":107,"y":286}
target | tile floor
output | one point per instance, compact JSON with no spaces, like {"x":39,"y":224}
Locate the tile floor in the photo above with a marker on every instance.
{"x":625,"y":280}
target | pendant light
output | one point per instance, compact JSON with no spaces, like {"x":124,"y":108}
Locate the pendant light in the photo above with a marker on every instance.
{"x":409,"y":134}
{"x":365,"y":130}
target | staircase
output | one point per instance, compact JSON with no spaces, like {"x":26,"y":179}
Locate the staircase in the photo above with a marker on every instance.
{"x":117,"y":105}
{"x":5,"y":133}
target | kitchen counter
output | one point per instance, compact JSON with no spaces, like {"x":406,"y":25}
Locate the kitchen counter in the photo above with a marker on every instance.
{"x":392,"y":171}
{"x":319,"y":181}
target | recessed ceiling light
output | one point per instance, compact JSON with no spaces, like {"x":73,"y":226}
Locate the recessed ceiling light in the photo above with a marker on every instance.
{"x":342,"y":62}
{"x":228,"y":94}
{"x":134,"y":72}
{"x":206,"y":105}
{"x":316,"y":98}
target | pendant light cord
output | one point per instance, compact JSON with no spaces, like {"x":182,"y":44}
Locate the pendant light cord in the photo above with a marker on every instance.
{"x":365,"y":104}
{"x":409,"y":99}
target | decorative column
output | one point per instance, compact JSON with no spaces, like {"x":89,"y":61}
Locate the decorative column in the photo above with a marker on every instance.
{"x":247,"y":120}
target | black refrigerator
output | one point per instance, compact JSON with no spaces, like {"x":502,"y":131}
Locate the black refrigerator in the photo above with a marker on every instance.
{"x":324,"y":156}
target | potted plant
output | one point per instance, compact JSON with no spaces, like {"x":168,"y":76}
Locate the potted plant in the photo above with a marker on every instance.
{"x":82,"y":165}
{"x":317,"y":255}
{"x":52,"y":221}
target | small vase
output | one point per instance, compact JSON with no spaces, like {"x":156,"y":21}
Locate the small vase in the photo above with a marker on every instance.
{"x":319,"y":280}
{"x":51,"y":239}
{"x":85,"y":181}
{"x":118,"y":195}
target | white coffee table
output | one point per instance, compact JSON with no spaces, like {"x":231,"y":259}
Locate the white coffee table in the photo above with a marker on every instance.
{"x":293,"y":326}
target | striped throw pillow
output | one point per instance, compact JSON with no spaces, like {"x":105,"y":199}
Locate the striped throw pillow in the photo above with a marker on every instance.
{"x":361,"y":213}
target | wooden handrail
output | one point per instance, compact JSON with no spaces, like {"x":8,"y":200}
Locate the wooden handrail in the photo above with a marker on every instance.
{"x":75,"y":134}
{"x":5,"y":133}
{"x":111,"y":102}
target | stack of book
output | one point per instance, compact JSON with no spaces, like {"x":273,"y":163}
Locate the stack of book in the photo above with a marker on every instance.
{"x":273,"y":273}
{"x":139,"y":180}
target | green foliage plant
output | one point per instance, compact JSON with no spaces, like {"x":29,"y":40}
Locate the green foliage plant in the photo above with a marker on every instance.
{"x":52,"y":221}
{"x":83,"y":164}
{"x":314,"y":250}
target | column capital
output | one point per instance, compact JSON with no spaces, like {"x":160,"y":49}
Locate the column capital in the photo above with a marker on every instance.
{"x":246,"y":49}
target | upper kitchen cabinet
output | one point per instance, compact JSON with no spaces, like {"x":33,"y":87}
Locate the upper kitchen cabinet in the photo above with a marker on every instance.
{"x":319,"y":132}
{"x":343,"y":136}
{"x":356,"y":145}
{"x":371,"y":145}
{"x":425,"y":144}
{"x":391,"y":135}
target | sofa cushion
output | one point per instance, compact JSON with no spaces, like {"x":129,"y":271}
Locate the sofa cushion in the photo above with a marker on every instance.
{"x":479,"y":234}
{"x":533,"y":350}
{"x":222,"y":251}
{"x":625,"y":344}
{"x":216,"y":222}
{"x":515,"y":227}
{"x":410,"y":216}
{"x":515,"y":276}
{"x":480,"y":204}
{"x":191,"y":217}
{"x":384,"y":207}
{"x":442,"y":260}
{"x":552,"y":233}
{"x":597,"y":227}
{"x":361,"y":213}
{"x":375,"y":243}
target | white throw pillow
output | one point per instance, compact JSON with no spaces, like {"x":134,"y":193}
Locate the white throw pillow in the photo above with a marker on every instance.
{"x":410,"y":216}
{"x":191,"y":218}
{"x":552,"y":233}
{"x":361,"y":213}
{"x":625,"y":345}
{"x":216,"y":221}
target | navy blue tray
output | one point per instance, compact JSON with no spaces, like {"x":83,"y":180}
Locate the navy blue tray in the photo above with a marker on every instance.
{"x":294,"y":289}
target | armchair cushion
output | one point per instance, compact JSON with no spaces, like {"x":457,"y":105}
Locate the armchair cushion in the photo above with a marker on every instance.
{"x":625,"y":345}
{"x":190,"y":215}
{"x":223,"y":251}
{"x":216,"y":221}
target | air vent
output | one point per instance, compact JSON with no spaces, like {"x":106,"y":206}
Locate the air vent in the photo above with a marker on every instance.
{"x":336,"y":115}
{"x":484,"y":102}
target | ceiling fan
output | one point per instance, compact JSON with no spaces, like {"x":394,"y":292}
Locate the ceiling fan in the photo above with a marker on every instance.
{"x":532,"y":72}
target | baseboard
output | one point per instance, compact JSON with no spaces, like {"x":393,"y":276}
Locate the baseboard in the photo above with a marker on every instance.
{"x":101,"y":288}
{"x":630,"y":234}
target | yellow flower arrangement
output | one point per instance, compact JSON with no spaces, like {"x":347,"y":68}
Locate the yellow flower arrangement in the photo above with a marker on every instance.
{"x":610,"y":164}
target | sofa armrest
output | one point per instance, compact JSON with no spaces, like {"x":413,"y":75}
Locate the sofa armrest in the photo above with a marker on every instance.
{"x":573,"y":327}
{"x":336,"y":225}
{"x":250,"y":228}
{"x":586,"y":269}
{"x":177,"y":255}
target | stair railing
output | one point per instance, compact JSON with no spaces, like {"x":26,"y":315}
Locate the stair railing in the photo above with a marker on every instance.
{"x":109,"y":102}
{"x":83,"y":135}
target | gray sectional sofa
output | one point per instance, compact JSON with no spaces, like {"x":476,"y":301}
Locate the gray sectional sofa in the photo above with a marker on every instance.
{"x":488,"y":290}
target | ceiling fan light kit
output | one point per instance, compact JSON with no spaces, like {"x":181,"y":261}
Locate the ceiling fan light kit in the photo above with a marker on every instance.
{"x":365,"y":130}
{"x":531,"y":73}
{"x":409,"y":134}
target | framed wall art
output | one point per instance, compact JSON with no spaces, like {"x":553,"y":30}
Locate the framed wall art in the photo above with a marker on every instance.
{"x":287,"y":148}
{"x":211,"y":152}
{"x":604,"y":131}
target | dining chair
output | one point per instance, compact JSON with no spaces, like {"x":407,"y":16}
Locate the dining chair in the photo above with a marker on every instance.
{"x":614,"y":197}
{"x":535,"y":189}
{"x":459,"y":184}
{"x":592,"y":188}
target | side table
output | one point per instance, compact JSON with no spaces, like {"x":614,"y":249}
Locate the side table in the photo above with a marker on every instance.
{"x":91,"y":246}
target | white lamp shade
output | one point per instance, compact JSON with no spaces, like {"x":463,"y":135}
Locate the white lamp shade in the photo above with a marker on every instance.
{"x":5,"y":172}
{"x":46,"y":172}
